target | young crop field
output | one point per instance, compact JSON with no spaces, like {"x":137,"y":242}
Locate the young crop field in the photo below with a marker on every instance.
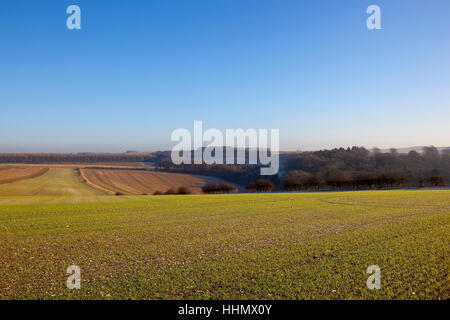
{"x":52,"y":182}
{"x":244,"y":246}
{"x":141,"y":182}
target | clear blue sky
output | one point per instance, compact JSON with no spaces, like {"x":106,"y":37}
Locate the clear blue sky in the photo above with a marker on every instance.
{"x":137,"y":70}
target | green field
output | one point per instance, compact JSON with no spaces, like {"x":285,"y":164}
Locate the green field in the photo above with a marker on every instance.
{"x":262,"y":246}
{"x":56,"y":182}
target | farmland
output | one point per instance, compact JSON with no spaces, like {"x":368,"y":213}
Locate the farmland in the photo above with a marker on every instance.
{"x":9,"y":174}
{"x":262,"y":246}
{"x":54,"y":182}
{"x":141,"y":182}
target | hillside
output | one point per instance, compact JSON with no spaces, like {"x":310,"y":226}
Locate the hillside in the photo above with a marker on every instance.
{"x":55,"y":182}
{"x":141,"y":182}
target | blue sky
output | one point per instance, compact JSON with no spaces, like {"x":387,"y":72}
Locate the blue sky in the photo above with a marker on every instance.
{"x":137,"y":70}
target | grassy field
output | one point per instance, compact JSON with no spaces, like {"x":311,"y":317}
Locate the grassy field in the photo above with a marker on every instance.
{"x":55,"y":182}
{"x":141,"y":182}
{"x":263,"y":246}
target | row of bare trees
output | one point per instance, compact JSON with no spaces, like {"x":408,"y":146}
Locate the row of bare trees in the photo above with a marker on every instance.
{"x":342,"y":181}
{"x":260,"y":185}
{"x":434,"y":181}
{"x":75,"y":157}
{"x":173,"y":190}
{"x":219,"y":187}
{"x":369,"y":180}
{"x":361,"y":180}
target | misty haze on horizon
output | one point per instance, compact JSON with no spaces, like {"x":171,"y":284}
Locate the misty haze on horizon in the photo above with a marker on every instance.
{"x":129,"y":151}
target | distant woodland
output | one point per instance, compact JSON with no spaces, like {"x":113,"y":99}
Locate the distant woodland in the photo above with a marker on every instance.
{"x":359,"y":168}
{"x":343,"y":168}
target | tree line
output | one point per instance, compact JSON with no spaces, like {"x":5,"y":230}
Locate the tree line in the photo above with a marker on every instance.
{"x":75,"y":157}
{"x":362,"y":180}
{"x":358,"y":167}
